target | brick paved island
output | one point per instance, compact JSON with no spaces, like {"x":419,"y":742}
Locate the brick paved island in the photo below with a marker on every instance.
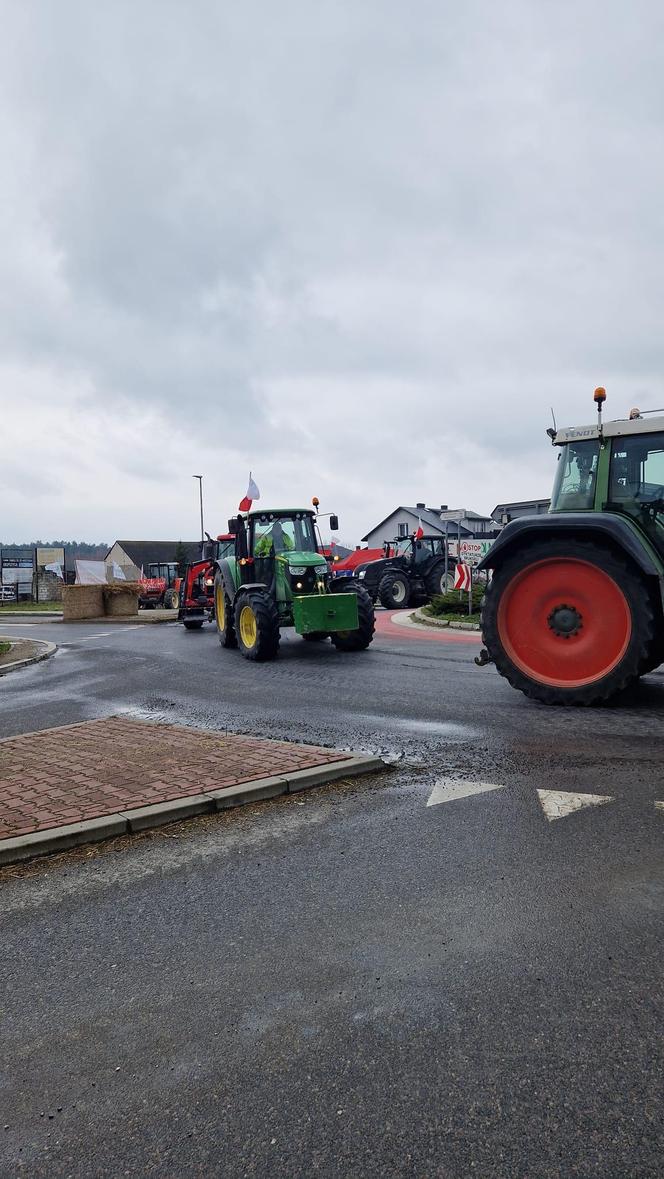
{"x":83,"y":781}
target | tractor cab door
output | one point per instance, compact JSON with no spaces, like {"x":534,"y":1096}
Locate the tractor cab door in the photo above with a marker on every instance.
{"x":636,"y":482}
{"x":421,"y":553}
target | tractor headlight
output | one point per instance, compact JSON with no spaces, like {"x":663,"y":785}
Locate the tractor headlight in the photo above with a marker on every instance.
{"x":297,"y":570}
{"x":362,"y":574}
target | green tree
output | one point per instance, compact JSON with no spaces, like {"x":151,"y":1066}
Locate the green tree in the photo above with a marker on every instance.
{"x":181,"y":557}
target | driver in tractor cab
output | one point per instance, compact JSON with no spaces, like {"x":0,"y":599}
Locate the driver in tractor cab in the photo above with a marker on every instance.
{"x":273,"y":541}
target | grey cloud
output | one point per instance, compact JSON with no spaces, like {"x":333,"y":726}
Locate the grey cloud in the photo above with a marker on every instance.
{"x":256,"y":218}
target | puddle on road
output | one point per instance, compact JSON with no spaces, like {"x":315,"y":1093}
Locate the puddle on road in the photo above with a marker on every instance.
{"x":450,"y":730}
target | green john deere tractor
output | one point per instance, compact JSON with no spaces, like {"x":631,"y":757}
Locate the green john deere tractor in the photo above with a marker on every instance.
{"x":278,"y":577}
{"x":574,"y":611}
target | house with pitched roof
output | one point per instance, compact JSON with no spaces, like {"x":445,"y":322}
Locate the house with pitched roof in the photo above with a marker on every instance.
{"x":442,"y":521}
{"x":132,"y":556}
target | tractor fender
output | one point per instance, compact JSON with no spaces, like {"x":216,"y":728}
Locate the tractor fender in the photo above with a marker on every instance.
{"x":227,"y":577}
{"x":599,"y":525}
{"x":246,"y":588}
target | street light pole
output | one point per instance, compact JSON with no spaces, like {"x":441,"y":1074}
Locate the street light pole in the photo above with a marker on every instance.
{"x":200,"y":495}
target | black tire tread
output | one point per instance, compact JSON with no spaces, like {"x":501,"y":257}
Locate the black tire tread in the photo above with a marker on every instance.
{"x":432,"y":580}
{"x":267,"y":619}
{"x":227,"y":637}
{"x":384,"y":589}
{"x":358,"y":640}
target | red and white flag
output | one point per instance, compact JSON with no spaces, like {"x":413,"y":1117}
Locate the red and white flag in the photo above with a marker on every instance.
{"x":252,"y":494}
{"x":419,"y":533}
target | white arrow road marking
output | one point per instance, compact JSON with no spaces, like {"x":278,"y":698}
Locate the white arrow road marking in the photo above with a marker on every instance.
{"x":449,"y":789}
{"x":557,"y":804}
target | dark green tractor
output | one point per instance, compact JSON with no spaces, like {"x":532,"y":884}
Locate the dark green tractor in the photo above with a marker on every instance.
{"x":278,"y":577}
{"x":574,"y":612}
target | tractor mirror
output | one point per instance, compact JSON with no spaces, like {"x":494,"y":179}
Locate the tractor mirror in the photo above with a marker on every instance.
{"x":334,"y":523}
{"x":233,"y":525}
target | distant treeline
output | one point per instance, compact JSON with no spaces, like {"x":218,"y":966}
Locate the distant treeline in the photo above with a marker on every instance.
{"x":81,"y":550}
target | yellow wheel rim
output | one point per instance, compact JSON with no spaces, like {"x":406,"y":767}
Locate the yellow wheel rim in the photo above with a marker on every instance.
{"x":248,"y":628}
{"x":220,"y":607}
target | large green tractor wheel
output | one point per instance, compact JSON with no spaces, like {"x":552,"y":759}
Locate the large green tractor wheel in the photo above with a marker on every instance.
{"x":569,"y":622}
{"x":394,"y":590}
{"x":356,"y":640}
{"x":257,"y":625}
{"x":223,"y":614}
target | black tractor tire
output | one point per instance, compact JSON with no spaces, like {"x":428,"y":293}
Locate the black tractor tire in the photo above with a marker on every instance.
{"x":258,"y":631}
{"x":316,"y":636}
{"x":193,"y":623}
{"x":357,"y":640}
{"x":394,"y":590}
{"x":435,"y":581}
{"x":552,"y":591}
{"x":223,"y":614}
{"x":171,"y":599}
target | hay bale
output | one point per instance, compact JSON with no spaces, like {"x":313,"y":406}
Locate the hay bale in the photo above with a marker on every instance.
{"x":82,"y":601}
{"x":121,"y":599}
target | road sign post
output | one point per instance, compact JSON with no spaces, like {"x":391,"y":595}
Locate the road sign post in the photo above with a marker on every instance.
{"x":463,"y":581}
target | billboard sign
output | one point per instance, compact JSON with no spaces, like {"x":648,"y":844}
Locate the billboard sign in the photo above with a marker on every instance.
{"x":50,"y":557}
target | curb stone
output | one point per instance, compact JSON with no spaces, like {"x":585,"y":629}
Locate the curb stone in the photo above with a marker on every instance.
{"x":54,"y":839}
{"x":50,"y":649}
{"x":426,"y":620}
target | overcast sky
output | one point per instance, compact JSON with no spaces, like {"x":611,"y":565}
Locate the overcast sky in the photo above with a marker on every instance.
{"x":358,"y":246}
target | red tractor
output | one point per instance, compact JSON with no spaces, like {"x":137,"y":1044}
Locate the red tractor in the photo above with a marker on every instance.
{"x":196,"y":604}
{"x":159,"y":586}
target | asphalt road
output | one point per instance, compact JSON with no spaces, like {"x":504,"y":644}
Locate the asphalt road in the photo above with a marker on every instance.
{"x":349,"y":982}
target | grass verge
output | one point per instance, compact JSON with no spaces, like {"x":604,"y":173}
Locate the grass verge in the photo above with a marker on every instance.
{"x":30,"y":608}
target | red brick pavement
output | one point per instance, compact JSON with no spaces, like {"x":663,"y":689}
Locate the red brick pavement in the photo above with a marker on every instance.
{"x":64,"y":775}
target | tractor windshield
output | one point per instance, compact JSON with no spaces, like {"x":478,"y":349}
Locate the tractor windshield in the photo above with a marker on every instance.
{"x":574,"y":486}
{"x":284,"y":533}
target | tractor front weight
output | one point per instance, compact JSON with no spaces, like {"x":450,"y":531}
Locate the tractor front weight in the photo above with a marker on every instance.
{"x":314,"y":613}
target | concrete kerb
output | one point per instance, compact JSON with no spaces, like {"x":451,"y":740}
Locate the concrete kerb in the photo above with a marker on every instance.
{"x":416,"y":618}
{"x":39,"y":843}
{"x":48,"y":650}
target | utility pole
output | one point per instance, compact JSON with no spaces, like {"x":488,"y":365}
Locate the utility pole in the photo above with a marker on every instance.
{"x":200,"y":496}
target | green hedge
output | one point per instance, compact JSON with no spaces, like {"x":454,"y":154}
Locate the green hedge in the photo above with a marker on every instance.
{"x":454,"y":602}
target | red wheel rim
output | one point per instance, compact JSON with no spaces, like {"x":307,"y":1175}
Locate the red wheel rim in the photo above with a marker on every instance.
{"x":564,"y":622}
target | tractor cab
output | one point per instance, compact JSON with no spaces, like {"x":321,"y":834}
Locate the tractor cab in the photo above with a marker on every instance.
{"x":617,"y":468}
{"x":280,"y":549}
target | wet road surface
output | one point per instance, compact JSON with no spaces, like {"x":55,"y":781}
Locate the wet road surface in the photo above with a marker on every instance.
{"x":351,"y":982}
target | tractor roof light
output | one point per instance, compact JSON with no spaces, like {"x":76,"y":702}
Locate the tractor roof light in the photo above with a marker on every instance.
{"x":599,"y":397}
{"x":634,"y":414}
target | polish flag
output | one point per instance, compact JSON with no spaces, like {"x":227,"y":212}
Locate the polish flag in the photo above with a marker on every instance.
{"x":419,"y":533}
{"x":252,"y":494}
